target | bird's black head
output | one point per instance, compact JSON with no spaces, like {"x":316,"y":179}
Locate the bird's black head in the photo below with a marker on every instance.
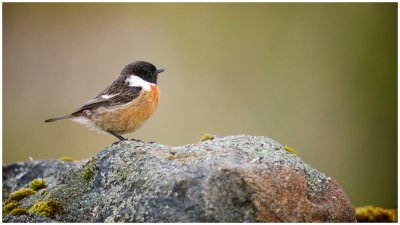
{"x":144,"y":70}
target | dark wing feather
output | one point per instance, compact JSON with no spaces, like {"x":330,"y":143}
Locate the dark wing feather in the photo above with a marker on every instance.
{"x":122,"y":95}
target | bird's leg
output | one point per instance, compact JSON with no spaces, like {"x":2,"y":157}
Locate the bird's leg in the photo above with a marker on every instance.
{"x":121,"y":138}
{"x":117,"y":136}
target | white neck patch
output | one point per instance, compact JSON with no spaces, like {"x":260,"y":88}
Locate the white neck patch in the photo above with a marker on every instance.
{"x":135,"y":81}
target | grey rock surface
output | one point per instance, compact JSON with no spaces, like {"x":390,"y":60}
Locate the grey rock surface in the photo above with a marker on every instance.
{"x":228,"y":179}
{"x":19,"y":175}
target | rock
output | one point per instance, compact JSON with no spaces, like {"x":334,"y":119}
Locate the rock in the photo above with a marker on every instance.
{"x":20,"y":174}
{"x":226,"y":179}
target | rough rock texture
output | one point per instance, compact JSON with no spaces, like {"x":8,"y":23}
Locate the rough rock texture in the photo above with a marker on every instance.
{"x":19,"y":174}
{"x":227,"y":179}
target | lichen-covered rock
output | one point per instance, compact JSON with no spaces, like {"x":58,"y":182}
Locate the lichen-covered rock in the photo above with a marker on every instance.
{"x":20,"y":174}
{"x":224,"y":179}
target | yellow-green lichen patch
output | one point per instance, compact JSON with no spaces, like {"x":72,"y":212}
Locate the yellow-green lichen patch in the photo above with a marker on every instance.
{"x":37,"y":184}
{"x":375,"y":214}
{"x":9,"y":206}
{"x":207,"y":137}
{"x":18,"y":212}
{"x":13,"y":200}
{"x":291,"y":150}
{"x":46,"y":208}
{"x":66,"y":158}
{"x":169,"y":157}
{"x":20,"y":194}
{"x":88,"y":171}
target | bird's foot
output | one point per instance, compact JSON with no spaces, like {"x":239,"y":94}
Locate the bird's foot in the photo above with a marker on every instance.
{"x":133,"y":139}
{"x":117,"y":142}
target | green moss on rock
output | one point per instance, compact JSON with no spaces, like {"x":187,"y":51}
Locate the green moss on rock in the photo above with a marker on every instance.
{"x":291,"y":150}
{"x":18,"y":212}
{"x":88,"y":171}
{"x":46,"y":208}
{"x":8,"y":207}
{"x":37,"y":184}
{"x":375,"y":214}
{"x":207,"y":137}
{"x":66,"y":158}
{"x":20,"y":194}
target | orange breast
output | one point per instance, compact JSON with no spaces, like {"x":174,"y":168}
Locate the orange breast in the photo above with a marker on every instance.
{"x":129,"y":117}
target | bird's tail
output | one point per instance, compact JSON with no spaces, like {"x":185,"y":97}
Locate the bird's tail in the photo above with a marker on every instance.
{"x":58,"y":118}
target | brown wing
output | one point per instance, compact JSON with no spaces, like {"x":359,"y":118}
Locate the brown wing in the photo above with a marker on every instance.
{"x":121,"y":96}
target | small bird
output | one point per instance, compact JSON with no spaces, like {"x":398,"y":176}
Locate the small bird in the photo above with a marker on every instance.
{"x":123,"y":106}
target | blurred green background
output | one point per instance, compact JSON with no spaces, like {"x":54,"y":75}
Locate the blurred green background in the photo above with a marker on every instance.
{"x":321,"y":78}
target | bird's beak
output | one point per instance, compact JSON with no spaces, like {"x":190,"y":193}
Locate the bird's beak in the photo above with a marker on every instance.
{"x":160,"y":70}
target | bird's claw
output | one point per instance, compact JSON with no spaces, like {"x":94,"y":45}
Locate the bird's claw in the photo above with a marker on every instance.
{"x":133,"y":139}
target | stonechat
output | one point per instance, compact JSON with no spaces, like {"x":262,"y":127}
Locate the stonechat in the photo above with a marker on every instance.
{"x":123,"y":106}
